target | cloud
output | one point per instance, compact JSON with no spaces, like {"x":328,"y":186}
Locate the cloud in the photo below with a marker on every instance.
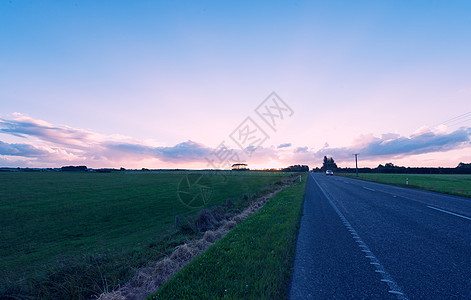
{"x":182,"y":152}
{"x":300,"y":150}
{"x":14,"y":162}
{"x":389,"y":136}
{"x":286,"y":145}
{"x":24,"y":126}
{"x":51,"y":145}
{"x":424,"y":140}
{"x":21,"y":150}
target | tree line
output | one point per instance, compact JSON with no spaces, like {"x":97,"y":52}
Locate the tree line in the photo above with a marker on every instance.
{"x":296,"y":168}
{"x":329,"y":164}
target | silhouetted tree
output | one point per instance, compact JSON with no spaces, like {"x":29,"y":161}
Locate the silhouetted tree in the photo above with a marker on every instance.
{"x":462,"y":168}
{"x":329,"y":164}
{"x":462,"y":165}
{"x":239,"y":167}
{"x":74,"y":169}
{"x":296,"y":168}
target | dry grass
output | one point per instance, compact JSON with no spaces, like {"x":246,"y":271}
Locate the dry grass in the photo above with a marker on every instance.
{"x":115,"y":295}
{"x":253,"y":261}
{"x":215,"y":225}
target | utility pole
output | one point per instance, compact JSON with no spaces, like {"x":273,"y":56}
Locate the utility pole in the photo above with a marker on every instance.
{"x":356,"y":162}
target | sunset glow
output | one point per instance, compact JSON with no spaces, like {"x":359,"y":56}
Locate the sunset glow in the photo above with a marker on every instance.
{"x":164,"y":85}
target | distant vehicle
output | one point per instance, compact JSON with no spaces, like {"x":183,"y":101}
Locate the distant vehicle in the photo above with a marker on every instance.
{"x":329,"y":172}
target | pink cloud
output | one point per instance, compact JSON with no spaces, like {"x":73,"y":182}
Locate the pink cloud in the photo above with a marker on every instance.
{"x":54,"y":145}
{"x":423,"y":140}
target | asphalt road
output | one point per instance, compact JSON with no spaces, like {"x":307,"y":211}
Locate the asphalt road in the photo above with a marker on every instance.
{"x":364,"y":240}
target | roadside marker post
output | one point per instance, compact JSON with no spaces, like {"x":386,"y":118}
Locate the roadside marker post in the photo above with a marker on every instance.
{"x":177,"y":219}
{"x":407,"y":181}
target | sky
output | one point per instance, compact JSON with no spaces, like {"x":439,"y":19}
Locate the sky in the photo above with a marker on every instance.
{"x":204,"y":84}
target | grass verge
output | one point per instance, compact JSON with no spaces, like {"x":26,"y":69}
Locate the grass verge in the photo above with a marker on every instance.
{"x":459,"y":184}
{"x":252,"y":261}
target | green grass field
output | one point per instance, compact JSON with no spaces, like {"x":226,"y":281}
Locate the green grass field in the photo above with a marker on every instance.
{"x":54,"y":219}
{"x":253,"y":261}
{"x":459,"y":185}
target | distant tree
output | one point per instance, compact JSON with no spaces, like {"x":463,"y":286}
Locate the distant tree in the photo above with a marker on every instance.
{"x":462,"y":165}
{"x":329,"y":164}
{"x":296,"y":168}
{"x":239,"y":167}
{"x":74,"y":169}
{"x":462,"y":168}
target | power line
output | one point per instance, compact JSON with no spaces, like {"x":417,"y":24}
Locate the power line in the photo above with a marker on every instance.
{"x":462,"y":121}
{"x":456,"y":120}
{"x":457,"y":117}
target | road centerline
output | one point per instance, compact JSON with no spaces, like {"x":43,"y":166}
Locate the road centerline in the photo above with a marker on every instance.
{"x":449,"y":212}
{"x":366,"y":188}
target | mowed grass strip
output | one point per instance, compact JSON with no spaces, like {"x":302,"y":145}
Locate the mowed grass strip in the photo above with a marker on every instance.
{"x":459,"y":184}
{"x":254,"y":260}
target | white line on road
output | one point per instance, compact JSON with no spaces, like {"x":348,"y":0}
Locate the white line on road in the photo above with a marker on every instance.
{"x":393,"y":286}
{"x":396,"y":293}
{"x":449,"y":212}
{"x":369,"y":189}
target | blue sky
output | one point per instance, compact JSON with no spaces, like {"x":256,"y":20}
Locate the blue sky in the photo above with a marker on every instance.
{"x":159,"y":75}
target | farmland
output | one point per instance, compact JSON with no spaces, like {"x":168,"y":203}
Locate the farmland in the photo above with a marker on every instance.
{"x":459,"y":185}
{"x":48,"y":218}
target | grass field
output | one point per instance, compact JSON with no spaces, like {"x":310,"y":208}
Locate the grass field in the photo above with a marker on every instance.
{"x":52,"y":221}
{"x":459,"y":185}
{"x":253,"y":261}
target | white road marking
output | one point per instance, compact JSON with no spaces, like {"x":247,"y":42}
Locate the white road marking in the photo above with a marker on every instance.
{"x":368,"y":189}
{"x":393,"y":286}
{"x":397,"y":293}
{"x":449,"y":212}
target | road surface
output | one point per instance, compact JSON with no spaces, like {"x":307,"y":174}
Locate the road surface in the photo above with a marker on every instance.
{"x":365,"y":240}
